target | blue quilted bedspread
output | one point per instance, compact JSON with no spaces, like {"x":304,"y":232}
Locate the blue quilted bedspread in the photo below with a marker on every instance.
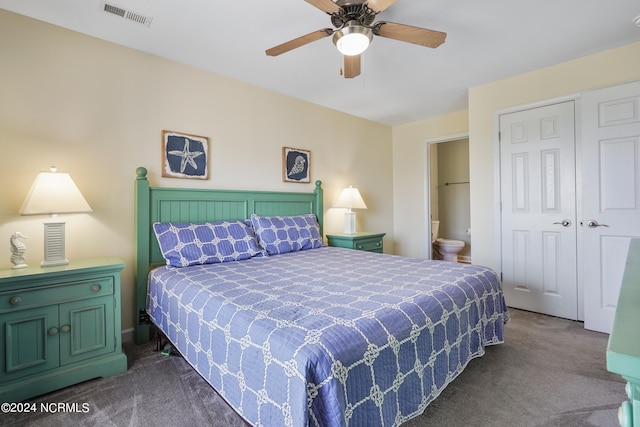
{"x":329,"y":336}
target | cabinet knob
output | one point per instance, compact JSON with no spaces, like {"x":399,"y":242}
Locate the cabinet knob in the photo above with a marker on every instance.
{"x":15,"y":300}
{"x":53,"y":331}
{"x":65,"y":328}
{"x":95,"y":288}
{"x":359,"y":246}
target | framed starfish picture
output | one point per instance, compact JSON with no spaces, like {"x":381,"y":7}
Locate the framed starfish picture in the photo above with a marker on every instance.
{"x":184,"y":155}
{"x":296,"y":165}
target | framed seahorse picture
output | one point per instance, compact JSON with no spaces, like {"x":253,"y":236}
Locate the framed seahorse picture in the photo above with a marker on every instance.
{"x":185,"y":155}
{"x":296,"y":165}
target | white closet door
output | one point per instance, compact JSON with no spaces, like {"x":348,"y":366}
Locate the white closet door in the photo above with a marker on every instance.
{"x":538,"y":216}
{"x":610,"y":196}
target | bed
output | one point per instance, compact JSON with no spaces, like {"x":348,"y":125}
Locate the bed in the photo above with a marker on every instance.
{"x":309,"y":334}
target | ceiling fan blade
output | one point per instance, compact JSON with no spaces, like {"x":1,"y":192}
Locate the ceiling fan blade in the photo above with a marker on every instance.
{"x":325,"y":5}
{"x":351,"y":66}
{"x":409,"y":34}
{"x":300,"y":41}
{"x":380,"y":5}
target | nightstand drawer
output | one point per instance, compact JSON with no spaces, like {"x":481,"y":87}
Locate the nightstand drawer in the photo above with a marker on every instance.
{"x":371,"y":245}
{"x":18,"y":298}
{"x":363,"y":241}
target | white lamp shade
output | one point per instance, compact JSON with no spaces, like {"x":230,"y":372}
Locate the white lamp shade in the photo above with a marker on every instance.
{"x":350,"y":198}
{"x":54,"y":193}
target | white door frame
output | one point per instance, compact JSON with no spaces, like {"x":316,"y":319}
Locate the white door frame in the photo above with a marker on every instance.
{"x":427,"y":180}
{"x":497,"y":224}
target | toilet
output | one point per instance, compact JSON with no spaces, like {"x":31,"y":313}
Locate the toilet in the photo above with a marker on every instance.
{"x":445,"y":248}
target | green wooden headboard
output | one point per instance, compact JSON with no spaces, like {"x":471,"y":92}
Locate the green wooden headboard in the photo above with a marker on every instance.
{"x":155,"y":204}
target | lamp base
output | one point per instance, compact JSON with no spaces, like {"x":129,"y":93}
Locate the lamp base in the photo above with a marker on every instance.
{"x":54,"y":244}
{"x":46,"y":263}
{"x":350,"y":223}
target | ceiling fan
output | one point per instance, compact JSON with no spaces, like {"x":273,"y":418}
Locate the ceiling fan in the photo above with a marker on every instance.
{"x":354,"y":30}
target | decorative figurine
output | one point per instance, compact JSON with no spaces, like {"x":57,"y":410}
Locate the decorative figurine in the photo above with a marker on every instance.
{"x":17,"y":250}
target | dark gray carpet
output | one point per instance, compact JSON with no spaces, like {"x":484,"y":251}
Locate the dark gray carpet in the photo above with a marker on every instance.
{"x":549,"y":372}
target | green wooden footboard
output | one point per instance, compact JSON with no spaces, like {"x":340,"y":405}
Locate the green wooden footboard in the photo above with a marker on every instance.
{"x":155,"y":204}
{"x":623,"y":351}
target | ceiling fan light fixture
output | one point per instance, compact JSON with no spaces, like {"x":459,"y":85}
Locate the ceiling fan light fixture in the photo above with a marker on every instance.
{"x":352,"y":39}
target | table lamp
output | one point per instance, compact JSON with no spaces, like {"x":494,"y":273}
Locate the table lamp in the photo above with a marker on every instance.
{"x":350,"y":198}
{"x":54,"y":193}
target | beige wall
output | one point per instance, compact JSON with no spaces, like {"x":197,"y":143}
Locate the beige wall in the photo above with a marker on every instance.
{"x":409,"y":144}
{"x":410,"y":179}
{"x":599,"y":70}
{"x":96,"y":110}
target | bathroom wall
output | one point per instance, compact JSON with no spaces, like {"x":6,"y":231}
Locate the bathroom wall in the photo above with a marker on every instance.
{"x":453,"y":204}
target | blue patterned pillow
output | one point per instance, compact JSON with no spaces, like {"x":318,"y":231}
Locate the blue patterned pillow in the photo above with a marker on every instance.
{"x":185,"y":244}
{"x":282,"y":234}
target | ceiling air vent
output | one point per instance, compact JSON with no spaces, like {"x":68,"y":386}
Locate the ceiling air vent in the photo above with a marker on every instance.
{"x":127,"y":14}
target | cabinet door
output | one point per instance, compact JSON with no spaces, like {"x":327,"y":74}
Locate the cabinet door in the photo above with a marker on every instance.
{"x":30,"y":338}
{"x":86,"y":329}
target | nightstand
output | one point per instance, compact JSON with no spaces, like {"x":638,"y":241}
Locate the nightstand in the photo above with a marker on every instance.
{"x":59,"y":326}
{"x":363,"y":241}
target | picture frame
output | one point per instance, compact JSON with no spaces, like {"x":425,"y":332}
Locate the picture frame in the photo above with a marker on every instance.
{"x":185,"y":155}
{"x":296,"y":165}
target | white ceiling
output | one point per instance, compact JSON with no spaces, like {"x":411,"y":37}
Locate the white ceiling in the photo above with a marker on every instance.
{"x":400,"y":82}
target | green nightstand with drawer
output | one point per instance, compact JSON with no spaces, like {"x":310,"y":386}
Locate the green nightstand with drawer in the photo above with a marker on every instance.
{"x":363,"y":241}
{"x":59,"y":326}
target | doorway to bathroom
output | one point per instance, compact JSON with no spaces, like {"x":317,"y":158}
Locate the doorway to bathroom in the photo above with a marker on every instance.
{"x":448,"y":195}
